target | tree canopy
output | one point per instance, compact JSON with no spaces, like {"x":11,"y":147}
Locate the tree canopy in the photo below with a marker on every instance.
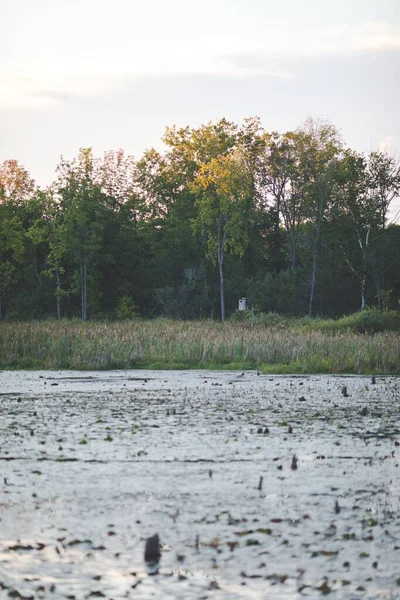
{"x":296,"y":221}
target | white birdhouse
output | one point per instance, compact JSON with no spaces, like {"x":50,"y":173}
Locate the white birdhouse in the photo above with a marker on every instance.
{"x":242,"y":304}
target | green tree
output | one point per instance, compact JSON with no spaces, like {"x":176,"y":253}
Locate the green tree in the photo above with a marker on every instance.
{"x":383,"y":183}
{"x":11,"y":251}
{"x":224,"y":186}
{"x":319,"y":147}
{"x":284,"y":178}
{"x":169,"y":205}
{"x":16,"y":189}
{"x":48,"y":228}
{"x":83,"y":213}
{"x":355,"y":216}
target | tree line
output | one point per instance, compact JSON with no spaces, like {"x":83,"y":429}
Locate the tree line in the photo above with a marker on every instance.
{"x":296,"y":222}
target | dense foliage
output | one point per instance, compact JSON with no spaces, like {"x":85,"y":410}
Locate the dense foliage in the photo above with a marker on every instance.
{"x":296,"y":222}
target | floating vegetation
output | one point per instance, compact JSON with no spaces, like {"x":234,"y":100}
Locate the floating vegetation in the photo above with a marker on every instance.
{"x":239,"y":514}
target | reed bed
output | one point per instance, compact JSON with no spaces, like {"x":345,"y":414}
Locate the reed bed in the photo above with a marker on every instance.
{"x":206,"y":344}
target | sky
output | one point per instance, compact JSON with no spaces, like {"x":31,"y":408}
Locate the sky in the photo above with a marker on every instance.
{"x":109,"y":75}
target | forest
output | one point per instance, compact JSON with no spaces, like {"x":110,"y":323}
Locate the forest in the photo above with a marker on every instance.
{"x":295,"y":222}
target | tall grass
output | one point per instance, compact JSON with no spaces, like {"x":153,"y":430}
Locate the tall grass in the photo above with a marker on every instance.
{"x":280,"y":348}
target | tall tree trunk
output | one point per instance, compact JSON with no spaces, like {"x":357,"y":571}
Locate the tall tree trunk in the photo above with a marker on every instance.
{"x":84,"y":288}
{"x":292,"y":247}
{"x":363,"y":291}
{"x":382,"y":264}
{"x":222,"y":292}
{"x":82,"y":293}
{"x":58,"y":295}
{"x":221,"y":240}
{"x":314,"y":269}
{"x":313,"y":280}
{"x":364,"y":247}
{"x":36,"y":268}
{"x":276,"y":262}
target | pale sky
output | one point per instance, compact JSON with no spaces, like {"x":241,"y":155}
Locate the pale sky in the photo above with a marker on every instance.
{"x":114,"y":74}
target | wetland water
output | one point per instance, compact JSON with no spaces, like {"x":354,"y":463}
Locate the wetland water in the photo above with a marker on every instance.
{"x":93,"y":463}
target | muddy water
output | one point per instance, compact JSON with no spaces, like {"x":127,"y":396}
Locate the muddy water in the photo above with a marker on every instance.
{"x":94,"y":463}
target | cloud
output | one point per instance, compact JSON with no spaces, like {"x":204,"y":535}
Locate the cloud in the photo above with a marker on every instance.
{"x":50,"y":86}
{"x":363,"y":37}
{"x":48,"y":83}
{"x":343,"y":41}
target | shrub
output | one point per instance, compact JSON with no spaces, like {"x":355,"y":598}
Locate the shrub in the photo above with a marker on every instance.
{"x":126,"y":309}
{"x":264,"y":319}
{"x":370,"y":320}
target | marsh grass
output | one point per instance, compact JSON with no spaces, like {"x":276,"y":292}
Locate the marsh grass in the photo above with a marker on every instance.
{"x":165,"y":344}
